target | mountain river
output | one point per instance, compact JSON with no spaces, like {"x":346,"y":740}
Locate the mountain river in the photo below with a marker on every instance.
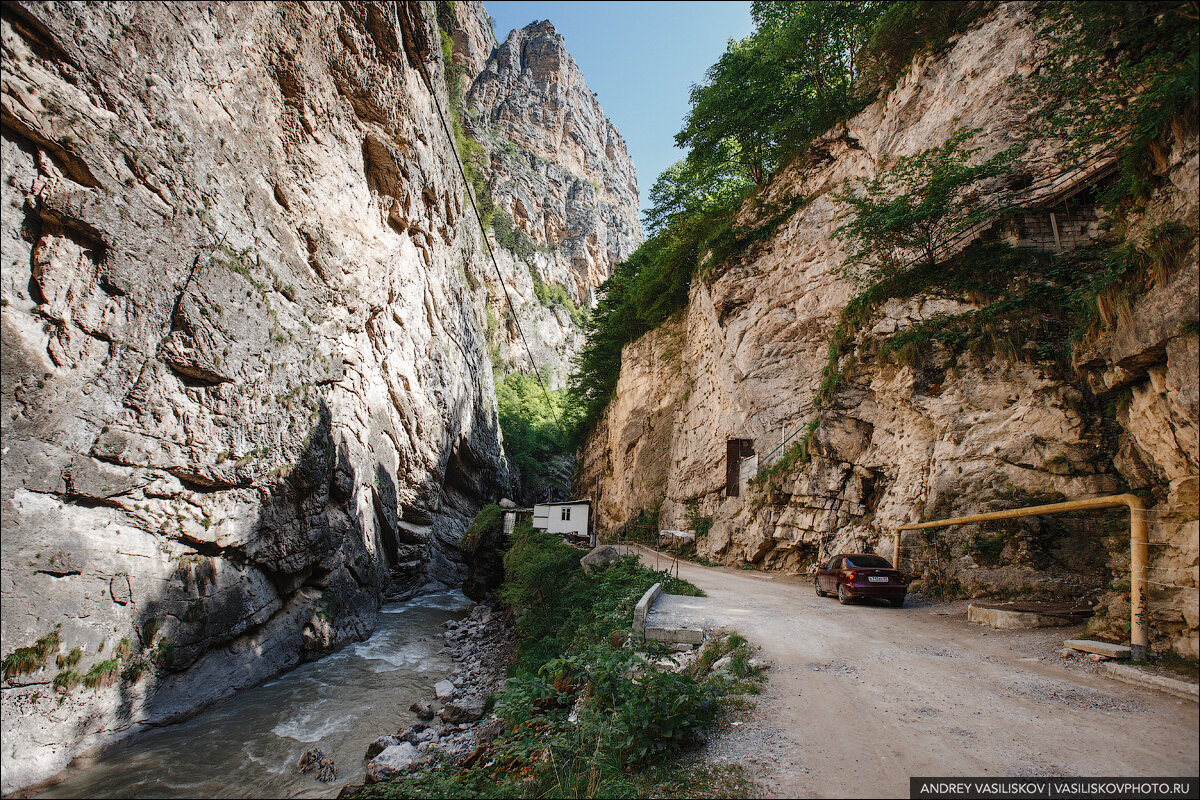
{"x":249,"y":745}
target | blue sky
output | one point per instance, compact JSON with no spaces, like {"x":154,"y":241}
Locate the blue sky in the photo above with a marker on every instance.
{"x":641,"y":59}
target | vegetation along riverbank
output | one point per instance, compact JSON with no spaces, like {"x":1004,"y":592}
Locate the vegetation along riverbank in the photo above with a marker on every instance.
{"x":590,"y":709}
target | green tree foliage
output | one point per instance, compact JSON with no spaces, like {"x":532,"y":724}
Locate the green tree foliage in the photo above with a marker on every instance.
{"x":778,"y":88}
{"x":532,"y":438}
{"x":765,"y":100}
{"x":696,"y":188}
{"x":1114,"y":70}
{"x":914,"y":205}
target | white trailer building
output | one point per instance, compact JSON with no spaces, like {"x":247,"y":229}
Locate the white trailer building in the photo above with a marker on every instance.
{"x":568,"y":518}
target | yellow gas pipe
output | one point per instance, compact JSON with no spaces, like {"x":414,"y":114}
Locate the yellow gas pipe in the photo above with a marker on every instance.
{"x":1139,"y":550}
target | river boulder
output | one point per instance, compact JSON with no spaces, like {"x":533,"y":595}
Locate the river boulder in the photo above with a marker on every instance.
{"x":379,"y":745}
{"x":395,"y":761}
{"x":314,"y":762}
{"x":464,"y":709}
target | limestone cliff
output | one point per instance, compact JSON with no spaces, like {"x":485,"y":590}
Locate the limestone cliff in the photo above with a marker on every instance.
{"x":941,"y":435}
{"x":564,"y":191}
{"x":246,"y":386}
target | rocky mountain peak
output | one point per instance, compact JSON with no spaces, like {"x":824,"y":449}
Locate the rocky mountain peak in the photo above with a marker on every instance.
{"x":532,"y":93}
{"x":561,"y":188}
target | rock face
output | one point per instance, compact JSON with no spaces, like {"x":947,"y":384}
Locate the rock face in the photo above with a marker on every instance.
{"x":563,"y":186}
{"x":246,"y":387}
{"x":899,"y":443}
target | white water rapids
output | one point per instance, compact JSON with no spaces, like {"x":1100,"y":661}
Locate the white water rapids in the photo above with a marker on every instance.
{"x":249,"y":745}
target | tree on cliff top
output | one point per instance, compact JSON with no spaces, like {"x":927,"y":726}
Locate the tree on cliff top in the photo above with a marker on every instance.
{"x":774,"y":91}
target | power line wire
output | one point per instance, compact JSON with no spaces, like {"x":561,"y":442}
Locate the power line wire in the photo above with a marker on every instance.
{"x":491,"y":253}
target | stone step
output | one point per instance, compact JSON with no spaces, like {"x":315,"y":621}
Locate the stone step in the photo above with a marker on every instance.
{"x":1014,"y":618}
{"x":1099,"y":648}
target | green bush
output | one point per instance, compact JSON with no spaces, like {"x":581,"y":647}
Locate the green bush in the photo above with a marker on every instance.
{"x":490,"y":519}
{"x":584,"y":716}
{"x":651,"y":713}
{"x":699,"y":523}
{"x":915,"y":205}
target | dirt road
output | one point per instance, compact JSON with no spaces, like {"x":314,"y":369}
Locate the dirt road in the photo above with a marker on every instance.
{"x":861,"y":697}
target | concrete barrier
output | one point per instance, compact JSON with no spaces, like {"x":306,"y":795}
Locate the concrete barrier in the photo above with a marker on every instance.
{"x":1006,"y":619}
{"x":1172,"y":686}
{"x":675,"y":635}
{"x":1106,"y":649}
{"x":642,"y":609}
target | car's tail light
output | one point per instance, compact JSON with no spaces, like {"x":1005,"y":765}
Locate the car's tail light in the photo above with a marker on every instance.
{"x":850,"y":575}
{"x":900,"y":576}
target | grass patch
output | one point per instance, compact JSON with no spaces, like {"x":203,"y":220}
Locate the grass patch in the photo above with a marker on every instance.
{"x":66,"y":680}
{"x":25,"y":660}
{"x":102,"y":673}
{"x":490,"y":519}
{"x":1173,"y":662}
{"x":69,"y":659}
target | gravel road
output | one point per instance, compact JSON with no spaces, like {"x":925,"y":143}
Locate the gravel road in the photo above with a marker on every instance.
{"x":861,"y":697}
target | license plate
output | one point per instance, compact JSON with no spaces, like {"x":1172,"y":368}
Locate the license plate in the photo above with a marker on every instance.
{"x":877,"y":578}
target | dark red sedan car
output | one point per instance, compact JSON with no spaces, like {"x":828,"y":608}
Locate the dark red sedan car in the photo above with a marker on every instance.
{"x":854,"y":575}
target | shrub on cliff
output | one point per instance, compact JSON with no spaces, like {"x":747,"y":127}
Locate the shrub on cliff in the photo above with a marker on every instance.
{"x":915,"y":205}
{"x":763,"y":102}
{"x":487,"y":522}
{"x":1118,"y":74}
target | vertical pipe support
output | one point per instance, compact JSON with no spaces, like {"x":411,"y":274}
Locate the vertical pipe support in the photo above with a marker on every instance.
{"x":1139,"y":559}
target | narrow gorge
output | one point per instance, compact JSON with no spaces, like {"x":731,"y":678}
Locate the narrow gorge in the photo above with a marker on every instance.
{"x":250,"y":329}
{"x":785,"y":415}
{"x":305,"y":306}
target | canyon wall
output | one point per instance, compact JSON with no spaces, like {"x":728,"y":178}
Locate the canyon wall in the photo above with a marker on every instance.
{"x":247,"y":389}
{"x":564,"y":191}
{"x":941,"y":435}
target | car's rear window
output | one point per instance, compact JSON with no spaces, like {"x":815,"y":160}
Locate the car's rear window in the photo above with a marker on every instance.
{"x":868,"y":561}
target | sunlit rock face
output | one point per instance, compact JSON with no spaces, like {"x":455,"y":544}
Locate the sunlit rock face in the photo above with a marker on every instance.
{"x":936,"y":438}
{"x":559,"y":174}
{"x":246,"y":385}
{"x":248,"y":331}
